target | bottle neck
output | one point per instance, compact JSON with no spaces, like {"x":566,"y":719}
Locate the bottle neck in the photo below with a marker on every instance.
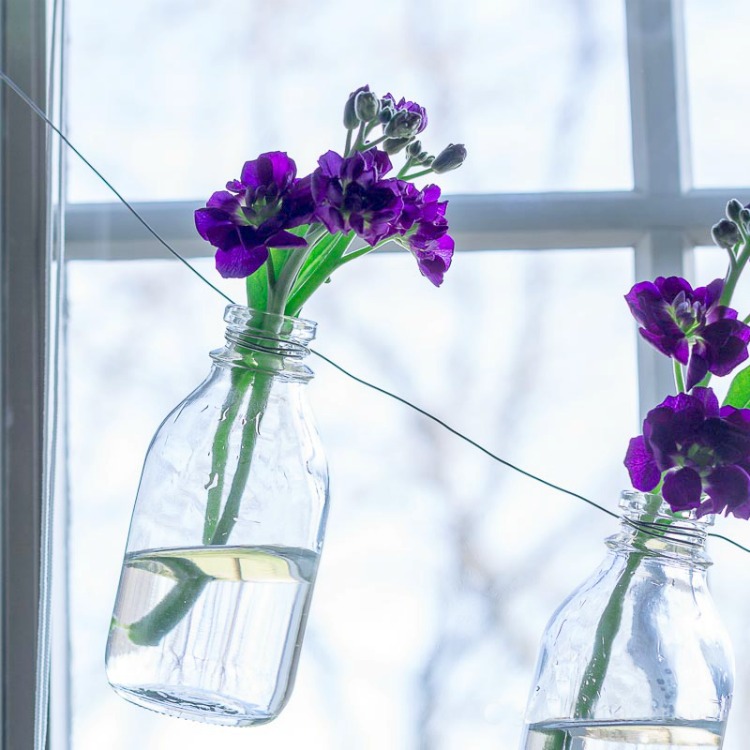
{"x":266,"y":342}
{"x":649,"y":527}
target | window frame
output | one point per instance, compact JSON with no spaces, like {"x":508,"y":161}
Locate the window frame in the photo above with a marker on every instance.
{"x":662,"y":218}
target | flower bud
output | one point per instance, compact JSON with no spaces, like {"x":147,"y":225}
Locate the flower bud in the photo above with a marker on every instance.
{"x":403,"y":124}
{"x":394,"y":145}
{"x":414,"y":148}
{"x":725,"y":234}
{"x":733,"y":210}
{"x":366,"y":106}
{"x":422,"y":158}
{"x":387,"y":110}
{"x":745,"y":217}
{"x":351,"y":120}
{"x":451,"y":157}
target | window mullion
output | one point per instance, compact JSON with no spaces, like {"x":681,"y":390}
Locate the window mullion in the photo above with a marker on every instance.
{"x":661,"y":159}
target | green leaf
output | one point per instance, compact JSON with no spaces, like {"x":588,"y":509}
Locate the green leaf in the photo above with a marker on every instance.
{"x":739,"y":391}
{"x":257,"y":289}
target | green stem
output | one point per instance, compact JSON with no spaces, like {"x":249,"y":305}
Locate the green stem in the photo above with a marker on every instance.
{"x":174,"y":606}
{"x":261,"y":389}
{"x":413,"y":175}
{"x":609,"y":625}
{"x":734,"y":273}
{"x":279,"y":293}
{"x":402,"y":172}
{"x":230,"y":408}
{"x":152,"y":627}
{"x":679,"y":379}
{"x":318,"y":274}
{"x":366,"y":146}
{"x":348,"y":142}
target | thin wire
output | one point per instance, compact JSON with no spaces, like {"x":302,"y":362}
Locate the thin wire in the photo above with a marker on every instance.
{"x":341,"y":369}
{"x":467,"y":439}
{"x":11,"y":84}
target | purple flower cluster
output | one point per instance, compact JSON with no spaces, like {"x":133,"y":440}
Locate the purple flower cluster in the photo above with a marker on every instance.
{"x":404,"y":106}
{"x":351,"y":195}
{"x":699,"y":449}
{"x":696,"y":453}
{"x":345,"y":194}
{"x":690,"y":325}
{"x":254,"y":214}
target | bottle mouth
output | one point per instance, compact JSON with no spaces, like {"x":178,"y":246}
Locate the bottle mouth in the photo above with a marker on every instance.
{"x":651,"y":518}
{"x":269,"y":332}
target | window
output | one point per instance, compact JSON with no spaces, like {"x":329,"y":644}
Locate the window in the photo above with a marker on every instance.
{"x":579,"y":182}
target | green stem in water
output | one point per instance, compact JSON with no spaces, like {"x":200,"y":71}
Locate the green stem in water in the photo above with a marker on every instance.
{"x":609,"y":625}
{"x":261,"y":389}
{"x":152,"y":627}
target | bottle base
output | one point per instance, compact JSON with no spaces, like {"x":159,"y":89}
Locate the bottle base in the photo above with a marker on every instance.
{"x":196,"y":705}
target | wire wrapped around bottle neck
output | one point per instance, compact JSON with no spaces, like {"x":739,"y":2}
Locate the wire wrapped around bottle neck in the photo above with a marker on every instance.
{"x":268,"y":332}
{"x":266,"y":341}
{"x":649,"y":526}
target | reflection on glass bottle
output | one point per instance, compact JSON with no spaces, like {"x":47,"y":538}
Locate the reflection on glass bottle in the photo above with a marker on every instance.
{"x":637,"y":656}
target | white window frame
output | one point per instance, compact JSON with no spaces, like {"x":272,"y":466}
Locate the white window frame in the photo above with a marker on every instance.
{"x":662,"y":218}
{"x":30,"y":278}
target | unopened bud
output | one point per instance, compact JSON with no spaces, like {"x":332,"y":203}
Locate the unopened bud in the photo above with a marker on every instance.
{"x":414,"y":148}
{"x":451,"y":157}
{"x":403,"y":124}
{"x":351,"y":120}
{"x":387,"y":110}
{"x":733,"y":210}
{"x":394,"y":145}
{"x":725,"y":234}
{"x":366,"y":106}
{"x":745,"y":217}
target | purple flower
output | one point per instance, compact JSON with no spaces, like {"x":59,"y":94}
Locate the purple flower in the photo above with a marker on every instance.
{"x":253,"y":214}
{"x":350,"y":194}
{"x":408,"y":107}
{"x":704,"y":450}
{"x":689,"y":325}
{"x":424,"y":228}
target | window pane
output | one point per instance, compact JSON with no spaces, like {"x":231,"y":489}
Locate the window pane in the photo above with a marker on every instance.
{"x":719,"y":108}
{"x":441,"y":567}
{"x":169,"y":99}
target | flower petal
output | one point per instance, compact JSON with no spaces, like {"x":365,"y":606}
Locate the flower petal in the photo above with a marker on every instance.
{"x":239,"y":262}
{"x":644,"y":473}
{"x":729,"y":487}
{"x":682,"y":489}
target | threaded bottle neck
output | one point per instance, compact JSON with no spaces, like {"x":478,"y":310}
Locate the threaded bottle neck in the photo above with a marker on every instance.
{"x":649,"y":526}
{"x":266,"y":341}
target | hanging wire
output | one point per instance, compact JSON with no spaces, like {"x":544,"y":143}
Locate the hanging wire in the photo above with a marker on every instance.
{"x":11,"y":84}
{"x":19,"y":92}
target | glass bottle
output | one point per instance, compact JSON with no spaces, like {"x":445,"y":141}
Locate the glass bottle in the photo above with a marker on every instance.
{"x":636,"y":657}
{"x":225,"y":536}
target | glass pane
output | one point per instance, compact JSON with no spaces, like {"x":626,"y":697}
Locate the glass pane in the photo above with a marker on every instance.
{"x":717,"y":104}
{"x":441,"y":566}
{"x":169,"y":99}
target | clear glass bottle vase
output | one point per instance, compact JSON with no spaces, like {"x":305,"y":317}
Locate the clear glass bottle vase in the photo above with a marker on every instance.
{"x":637,"y":656}
{"x":225,"y":536}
